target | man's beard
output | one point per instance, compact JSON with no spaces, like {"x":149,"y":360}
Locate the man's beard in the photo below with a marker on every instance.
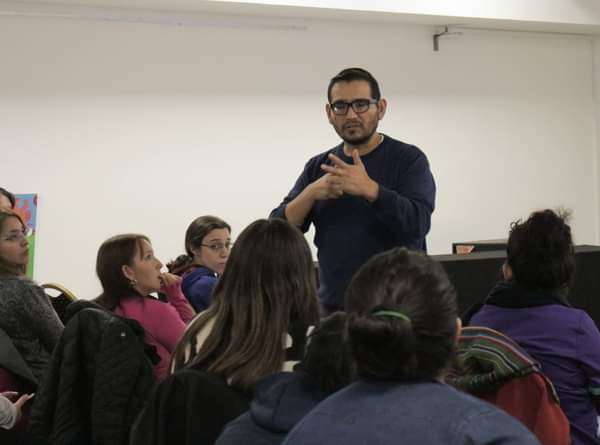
{"x":357,"y":140}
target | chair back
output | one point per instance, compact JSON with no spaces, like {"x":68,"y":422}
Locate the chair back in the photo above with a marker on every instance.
{"x":60,"y":298}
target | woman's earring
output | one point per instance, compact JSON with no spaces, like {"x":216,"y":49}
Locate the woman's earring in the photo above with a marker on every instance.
{"x":133,"y":283}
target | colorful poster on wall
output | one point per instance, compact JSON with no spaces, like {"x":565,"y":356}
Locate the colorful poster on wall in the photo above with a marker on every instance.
{"x":26,"y":207}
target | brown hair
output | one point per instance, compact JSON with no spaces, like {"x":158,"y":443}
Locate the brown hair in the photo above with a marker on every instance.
{"x":113,"y":254}
{"x":269,"y":282}
{"x":9,"y":196}
{"x":9,"y":270}
{"x":195,"y":233}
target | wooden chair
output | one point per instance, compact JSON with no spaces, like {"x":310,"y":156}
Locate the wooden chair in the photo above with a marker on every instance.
{"x":60,"y":297}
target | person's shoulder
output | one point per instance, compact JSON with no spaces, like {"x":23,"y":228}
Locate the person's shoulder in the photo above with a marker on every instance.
{"x":322,"y":157}
{"x":402,"y":149}
{"x":198,"y":273}
{"x":20,"y":287}
{"x":484,"y":423}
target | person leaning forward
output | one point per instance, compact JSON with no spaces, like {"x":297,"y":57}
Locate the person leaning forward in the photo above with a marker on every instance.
{"x":366,"y":195}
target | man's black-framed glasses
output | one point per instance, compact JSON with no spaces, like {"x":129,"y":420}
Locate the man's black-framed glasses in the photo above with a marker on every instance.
{"x":359,"y":106}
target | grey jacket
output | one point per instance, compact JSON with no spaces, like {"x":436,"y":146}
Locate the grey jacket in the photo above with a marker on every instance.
{"x":28,"y":318}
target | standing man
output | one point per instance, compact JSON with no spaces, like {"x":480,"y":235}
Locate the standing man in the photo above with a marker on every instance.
{"x":367,"y":195}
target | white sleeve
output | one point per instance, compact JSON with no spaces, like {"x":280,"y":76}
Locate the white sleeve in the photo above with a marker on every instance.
{"x":8,"y":413}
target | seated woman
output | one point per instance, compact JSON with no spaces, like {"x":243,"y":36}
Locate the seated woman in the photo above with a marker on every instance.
{"x":256,"y":325}
{"x":402,"y":328}
{"x":129,"y":272}
{"x":26,"y":314}
{"x":207,"y":244}
{"x":530,"y":306}
{"x":282,"y":399}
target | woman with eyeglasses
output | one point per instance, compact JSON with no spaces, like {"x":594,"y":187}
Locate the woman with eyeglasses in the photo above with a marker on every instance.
{"x":129,"y":272}
{"x":256,"y":325}
{"x":207,"y":244}
{"x":26,"y":314}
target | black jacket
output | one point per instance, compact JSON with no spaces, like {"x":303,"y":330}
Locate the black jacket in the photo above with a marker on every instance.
{"x":97,"y":382}
{"x":188,"y":408}
{"x":281,"y":400}
{"x":12,"y":361}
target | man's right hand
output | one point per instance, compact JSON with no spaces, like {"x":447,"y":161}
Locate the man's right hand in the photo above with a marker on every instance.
{"x":325,"y":188}
{"x":322,"y":188}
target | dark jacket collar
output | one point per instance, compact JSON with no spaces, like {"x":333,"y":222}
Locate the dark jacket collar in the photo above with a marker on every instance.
{"x":510,"y":294}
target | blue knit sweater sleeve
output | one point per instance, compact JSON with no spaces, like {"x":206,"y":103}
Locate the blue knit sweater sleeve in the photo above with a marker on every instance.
{"x":312,"y":171}
{"x":197,"y":286}
{"x":406,"y":207}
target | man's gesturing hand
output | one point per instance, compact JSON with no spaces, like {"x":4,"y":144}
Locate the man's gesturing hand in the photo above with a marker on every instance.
{"x":324,"y":188}
{"x":351,"y":178}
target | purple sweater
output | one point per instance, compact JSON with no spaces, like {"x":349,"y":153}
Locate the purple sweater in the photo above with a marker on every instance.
{"x":164,"y":323}
{"x":567,"y":344}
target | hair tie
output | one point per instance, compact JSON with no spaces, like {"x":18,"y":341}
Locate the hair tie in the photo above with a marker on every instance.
{"x":390,"y":313}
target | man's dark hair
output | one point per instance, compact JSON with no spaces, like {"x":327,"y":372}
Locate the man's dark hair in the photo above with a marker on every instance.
{"x":540,"y":251}
{"x":351,"y":74}
{"x":10,"y":197}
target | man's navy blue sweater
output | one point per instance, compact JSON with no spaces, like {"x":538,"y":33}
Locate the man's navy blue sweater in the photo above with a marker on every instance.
{"x":349,"y":230}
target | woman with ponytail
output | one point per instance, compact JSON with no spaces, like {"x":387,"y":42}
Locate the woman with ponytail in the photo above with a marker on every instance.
{"x":402,"y":327}
{"x":530,"y":306}
{"x":207,"y":245}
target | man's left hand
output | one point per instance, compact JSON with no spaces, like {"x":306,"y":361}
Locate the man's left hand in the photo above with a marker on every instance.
{"x":352,"y":178}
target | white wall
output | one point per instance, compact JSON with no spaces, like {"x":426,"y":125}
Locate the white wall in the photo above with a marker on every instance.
{"x":142,"y":127}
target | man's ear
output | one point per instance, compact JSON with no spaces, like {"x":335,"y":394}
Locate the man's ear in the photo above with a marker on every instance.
{"x":381,"y":108}
{"x":329,"y":113}
{"x":128,"y":272}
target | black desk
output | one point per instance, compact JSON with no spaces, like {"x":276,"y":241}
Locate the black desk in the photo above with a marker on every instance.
{"x":474,"y":275}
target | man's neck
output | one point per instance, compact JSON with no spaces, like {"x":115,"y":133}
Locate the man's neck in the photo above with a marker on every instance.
{"x":365,"y":148}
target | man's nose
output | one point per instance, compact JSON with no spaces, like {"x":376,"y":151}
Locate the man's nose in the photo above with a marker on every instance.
{"x":351,"y":114}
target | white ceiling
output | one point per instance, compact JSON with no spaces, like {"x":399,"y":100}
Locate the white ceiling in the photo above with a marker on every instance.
{"x":132,"y":10}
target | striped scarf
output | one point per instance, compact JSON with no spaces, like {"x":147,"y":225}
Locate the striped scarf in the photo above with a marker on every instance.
{"x":486,"y":359}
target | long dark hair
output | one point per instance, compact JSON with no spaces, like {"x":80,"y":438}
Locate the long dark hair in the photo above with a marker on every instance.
{"x":113,"y":254}
{"x":540,"y":251}
{"x":402,"y":316}
{"x":195,"y":233}
{"x":269,"y":282}
{"x":10,"y":270}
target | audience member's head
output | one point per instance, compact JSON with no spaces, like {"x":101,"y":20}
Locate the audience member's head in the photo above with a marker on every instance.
{"x":267,"y":288}
{"x":207,"y":243}
{"x":328,"y":363}
{"x":402,"y":320}
{"x":126,"y":266}
{"x":14,"y":247}
{"x":7,"y":199}
{"x":540,"y":252}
